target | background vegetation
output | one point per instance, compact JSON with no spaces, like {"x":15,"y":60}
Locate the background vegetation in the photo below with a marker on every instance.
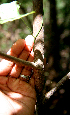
{"x":57,"y":47}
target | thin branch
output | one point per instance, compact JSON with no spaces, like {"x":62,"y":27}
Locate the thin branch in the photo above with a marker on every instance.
{"x":18,"y":61}
{"x":53,"y":90}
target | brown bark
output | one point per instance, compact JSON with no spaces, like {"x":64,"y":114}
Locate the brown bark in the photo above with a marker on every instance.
{"x":38,"y":33}
{"x":39,"y":40}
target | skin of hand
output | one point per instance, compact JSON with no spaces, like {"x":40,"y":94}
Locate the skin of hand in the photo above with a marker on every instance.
{"x":17,"y":97}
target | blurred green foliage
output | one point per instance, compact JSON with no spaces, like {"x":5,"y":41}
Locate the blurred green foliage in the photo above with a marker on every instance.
{"x":12,"y":31}
{"x":7,"y":13}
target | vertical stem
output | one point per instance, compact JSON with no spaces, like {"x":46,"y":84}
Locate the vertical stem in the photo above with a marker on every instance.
{"x":54,"y":36}
{"x":38,"y":52}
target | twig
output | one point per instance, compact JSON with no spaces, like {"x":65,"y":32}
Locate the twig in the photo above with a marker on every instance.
{"x":53,"y":90}
{"x":18,"y":61}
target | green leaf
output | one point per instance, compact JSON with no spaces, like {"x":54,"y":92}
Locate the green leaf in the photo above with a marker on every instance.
{"x":10,"y":12}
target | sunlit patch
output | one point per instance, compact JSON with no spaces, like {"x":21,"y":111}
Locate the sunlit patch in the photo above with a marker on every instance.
{"x":7,"y":104}
{"x":39,"y":62}
{"x":29,"y":40}
{"x":68,"y":75}
{"x":5,"y":66}
{"x":15,"y":95}
{"x":9,"y":52}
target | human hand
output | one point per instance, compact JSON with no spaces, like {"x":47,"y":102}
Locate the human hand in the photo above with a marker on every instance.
{"x":17,"y":97}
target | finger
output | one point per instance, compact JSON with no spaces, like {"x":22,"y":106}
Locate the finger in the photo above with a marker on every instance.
{"x":16,"y":49}
{"x":27,"y":70}
{"x":29,"y":42}
{"x":16,"y":70}
{"x":25,"y":55}
{"x":5,"y":67}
